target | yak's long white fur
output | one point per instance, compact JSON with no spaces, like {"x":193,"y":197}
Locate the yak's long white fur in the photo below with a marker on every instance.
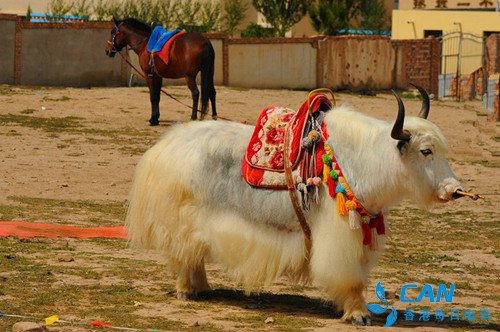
{"x":190,"y":200}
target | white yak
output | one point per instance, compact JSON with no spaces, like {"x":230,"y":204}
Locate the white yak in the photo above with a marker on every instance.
{"x":190,"y":201}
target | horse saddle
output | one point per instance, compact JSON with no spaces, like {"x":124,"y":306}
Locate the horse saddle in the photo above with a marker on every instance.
{"x":263,"y":165}
{"x":160,"y":42}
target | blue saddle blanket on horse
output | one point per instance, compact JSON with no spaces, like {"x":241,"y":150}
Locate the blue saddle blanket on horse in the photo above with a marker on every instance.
{"x":159,"y":37}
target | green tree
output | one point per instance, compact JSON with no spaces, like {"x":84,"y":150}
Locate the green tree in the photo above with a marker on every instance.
{"x":330,"y":16}
{"x":81,"y":8}
{"x":282,"y":15}
{"x":209,"y":15}
{"x":59,"y":7}
{"x":373,"y":15}
{"x":234,"y":13}
{"x":28,"y":13}
{"x":253,"y":30}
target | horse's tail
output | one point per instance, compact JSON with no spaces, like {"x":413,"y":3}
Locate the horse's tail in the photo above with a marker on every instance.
{"x":207,"y":78}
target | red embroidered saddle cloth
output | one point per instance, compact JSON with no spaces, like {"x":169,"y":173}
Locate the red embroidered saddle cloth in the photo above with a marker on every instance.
{"x":263,"y":164}
{"x":164,"y":54}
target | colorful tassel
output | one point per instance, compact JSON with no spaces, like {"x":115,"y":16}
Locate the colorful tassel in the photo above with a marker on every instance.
{"x":331,"y":186}
{"x":354,"y":219}
{"x":326,"y":173}
{"x":327,"y":160}
{"x":341,"y":204}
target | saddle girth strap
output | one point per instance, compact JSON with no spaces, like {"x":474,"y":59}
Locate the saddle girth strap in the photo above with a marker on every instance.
{"x":292,"y":190}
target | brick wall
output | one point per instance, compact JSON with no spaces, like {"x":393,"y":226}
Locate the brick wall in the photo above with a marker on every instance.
{"x":493,"y":54}
{"x":419,"y":62}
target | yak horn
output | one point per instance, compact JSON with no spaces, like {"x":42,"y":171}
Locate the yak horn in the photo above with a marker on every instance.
{"x":397,"y":131}
{"x":472,"y":196}
{"x":426,"y":105}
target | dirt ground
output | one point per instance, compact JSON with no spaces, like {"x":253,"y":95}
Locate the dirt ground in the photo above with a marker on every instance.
{"x":67,"y":156}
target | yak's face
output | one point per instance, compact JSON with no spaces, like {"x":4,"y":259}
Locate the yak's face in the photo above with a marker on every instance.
{"x":422,"y":149}
{"x":424,"y":158}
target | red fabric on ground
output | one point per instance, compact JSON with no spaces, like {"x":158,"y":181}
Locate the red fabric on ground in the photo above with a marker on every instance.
{"x":24,"y":230}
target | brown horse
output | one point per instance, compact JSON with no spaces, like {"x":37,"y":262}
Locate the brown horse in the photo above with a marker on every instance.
{"x":190,"y":53}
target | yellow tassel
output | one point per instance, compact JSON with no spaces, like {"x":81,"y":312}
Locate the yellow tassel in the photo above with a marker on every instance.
{"x":350,"y":205}
{"x":341,"y":209}
{"x":326,"y":173}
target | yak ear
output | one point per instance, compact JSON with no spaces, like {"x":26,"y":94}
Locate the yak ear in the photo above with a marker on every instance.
{"x":403,"y":146}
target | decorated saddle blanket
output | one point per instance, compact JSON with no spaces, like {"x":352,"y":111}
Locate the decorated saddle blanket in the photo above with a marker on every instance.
{"x":160,"y":42}
{"x":263,"y":165}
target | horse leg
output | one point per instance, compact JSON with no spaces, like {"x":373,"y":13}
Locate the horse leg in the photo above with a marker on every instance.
{"x":195,"y":93}
{"x":154,"y":84}
{"x":212,"y":102}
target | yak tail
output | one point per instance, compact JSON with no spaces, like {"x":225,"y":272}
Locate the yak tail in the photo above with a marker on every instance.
{"x":207,"y":79}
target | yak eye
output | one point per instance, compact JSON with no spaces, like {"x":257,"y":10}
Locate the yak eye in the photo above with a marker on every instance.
{"x":426,"y":152}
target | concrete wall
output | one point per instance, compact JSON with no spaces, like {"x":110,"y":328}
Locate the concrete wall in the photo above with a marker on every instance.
{"x":7,"y":54}
{"x":277,"y":63}
{"x":357,"y":63}
{"x":68,"y":57}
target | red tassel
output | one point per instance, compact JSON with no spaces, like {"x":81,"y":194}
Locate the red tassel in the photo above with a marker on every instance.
{"x":381,"y":225}
{"x":367,"y":237}
{"x":331,"y":187}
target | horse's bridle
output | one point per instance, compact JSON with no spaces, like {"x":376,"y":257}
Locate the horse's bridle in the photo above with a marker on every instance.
{"x":113,"y":40}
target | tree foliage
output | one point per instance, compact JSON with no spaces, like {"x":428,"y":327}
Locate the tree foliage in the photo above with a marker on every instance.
{"x":59,"y":7}
{"x":373,"y":15}
{"x":282,"y":15}
{"x":194,"y":15}
{"x":234,"y":13}
{"x":330,"y":16}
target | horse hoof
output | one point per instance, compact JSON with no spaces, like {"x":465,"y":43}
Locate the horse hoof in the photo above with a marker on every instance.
{"x":214,"y":117}
{"x":154,"y":123}
{"x":361,"y":321}
{"x":193,"y":118}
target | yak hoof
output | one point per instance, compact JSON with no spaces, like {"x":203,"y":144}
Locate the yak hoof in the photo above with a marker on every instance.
{"x":361,"y":321}
{"x":183,"y":296}
{"x":154,"y":122}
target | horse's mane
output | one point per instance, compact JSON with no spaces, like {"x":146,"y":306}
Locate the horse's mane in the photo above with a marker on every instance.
{"x":138,"y":25}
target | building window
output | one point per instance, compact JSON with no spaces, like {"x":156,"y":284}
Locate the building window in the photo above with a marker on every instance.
{"x":486,"y":34}
{"x":435,"y":33}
